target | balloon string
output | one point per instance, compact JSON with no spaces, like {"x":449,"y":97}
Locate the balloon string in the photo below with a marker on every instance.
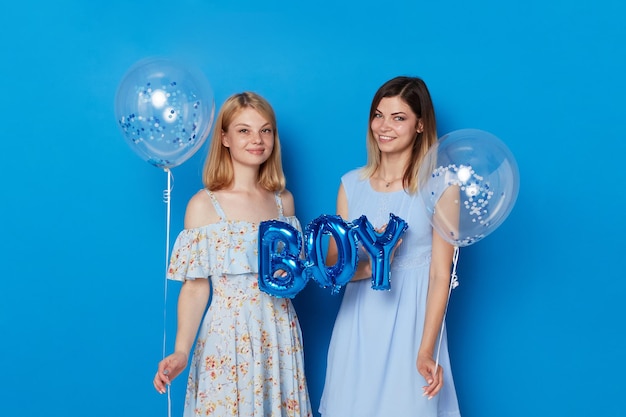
{"x":454,"y":282}
{"x":166,"y":199}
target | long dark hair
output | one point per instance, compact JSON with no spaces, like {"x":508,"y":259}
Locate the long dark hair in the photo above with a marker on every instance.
{"x":415,"y":94}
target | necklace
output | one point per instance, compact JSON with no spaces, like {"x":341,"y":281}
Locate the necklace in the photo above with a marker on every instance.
{"x":388,"y":183}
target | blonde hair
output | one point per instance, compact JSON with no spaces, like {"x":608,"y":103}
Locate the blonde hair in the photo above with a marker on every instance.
{"x":415,"y":94}
{"x":218,"y":170}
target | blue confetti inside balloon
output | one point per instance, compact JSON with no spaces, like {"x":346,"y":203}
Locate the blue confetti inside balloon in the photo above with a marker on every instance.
{"x":470,"y":182}
{"x":164,"y":110}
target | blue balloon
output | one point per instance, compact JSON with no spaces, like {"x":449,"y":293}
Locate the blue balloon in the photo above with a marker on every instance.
{"x":284,"y":273}
{"x":343,"y":270}
{"x":281,"y":271}
{"x":380,"y":246}
{"x":165,"y":111}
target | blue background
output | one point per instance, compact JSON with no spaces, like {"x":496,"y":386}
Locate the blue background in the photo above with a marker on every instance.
{"x":536,"y":326}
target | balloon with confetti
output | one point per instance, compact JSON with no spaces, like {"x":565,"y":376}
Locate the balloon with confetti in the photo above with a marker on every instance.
{"x":164,"y":110}
{"x":469,"y":183}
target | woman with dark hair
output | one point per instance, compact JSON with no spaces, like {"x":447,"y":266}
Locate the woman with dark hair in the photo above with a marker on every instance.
{"x":383,"y":359}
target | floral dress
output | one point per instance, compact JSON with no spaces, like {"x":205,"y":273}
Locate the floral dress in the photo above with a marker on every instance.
{"x":248,"y":358}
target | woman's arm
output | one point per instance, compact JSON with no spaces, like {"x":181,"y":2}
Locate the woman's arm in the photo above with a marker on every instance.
{"x":364,"y":268}
{"x":192,"y":301}
{"x":436,"y":304}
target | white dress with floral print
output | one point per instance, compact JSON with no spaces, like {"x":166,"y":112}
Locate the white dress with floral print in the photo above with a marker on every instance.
{"x":248,"y":358}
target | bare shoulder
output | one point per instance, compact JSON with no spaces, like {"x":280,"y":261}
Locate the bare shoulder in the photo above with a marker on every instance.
{"x":200,"y":211}
{"x":289,"y":205}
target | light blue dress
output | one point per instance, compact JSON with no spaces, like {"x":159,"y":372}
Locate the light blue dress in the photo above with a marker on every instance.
{"x":248,"y":358}
{"x":371,"y":369}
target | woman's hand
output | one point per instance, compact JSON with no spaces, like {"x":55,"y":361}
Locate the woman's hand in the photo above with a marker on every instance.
{"x":169,"y":368}
{"x":432,"y":374}
{"x":364,"y":268}
{"x":381,"y":230}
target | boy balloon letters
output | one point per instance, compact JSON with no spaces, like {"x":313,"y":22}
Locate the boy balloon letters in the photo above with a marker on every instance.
{"x":283,"y":272}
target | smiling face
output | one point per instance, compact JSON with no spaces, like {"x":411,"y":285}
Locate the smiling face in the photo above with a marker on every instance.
{"x":249,"y":137}
{"x":394,"y":125}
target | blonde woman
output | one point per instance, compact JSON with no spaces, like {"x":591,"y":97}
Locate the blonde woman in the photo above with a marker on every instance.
{"x":248,"y":358}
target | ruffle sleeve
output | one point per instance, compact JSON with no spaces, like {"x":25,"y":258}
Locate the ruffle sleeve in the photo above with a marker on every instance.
{"x":226,"y":248}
